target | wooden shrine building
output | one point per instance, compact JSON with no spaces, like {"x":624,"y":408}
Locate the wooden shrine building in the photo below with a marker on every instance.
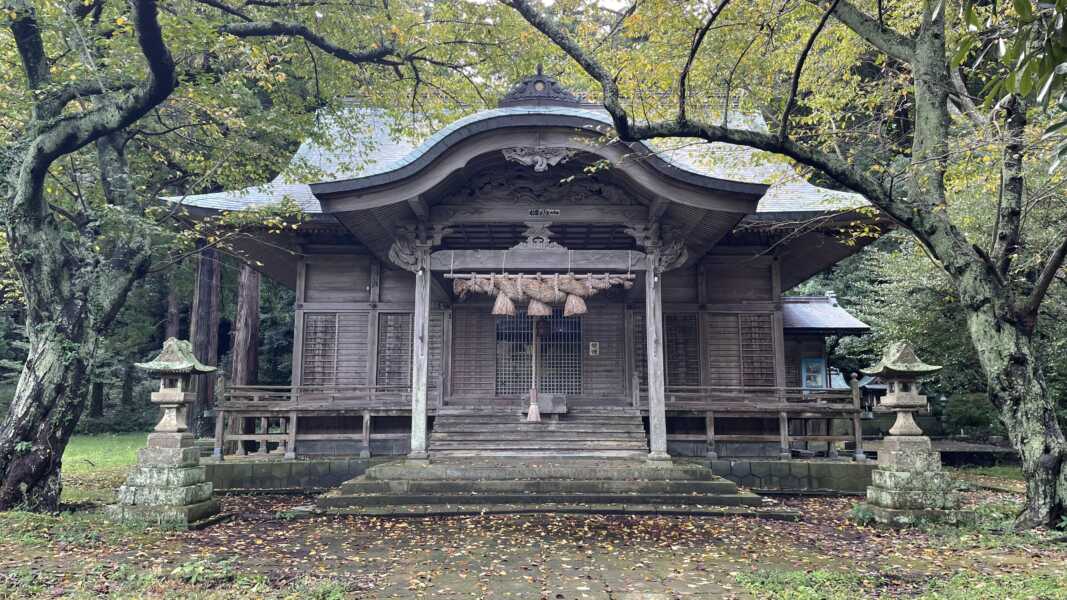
{"x":685,"y":342}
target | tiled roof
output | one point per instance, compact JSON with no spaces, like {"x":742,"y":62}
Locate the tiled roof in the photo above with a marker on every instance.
{"x":819,"y":313}
{"x":366,"y":142}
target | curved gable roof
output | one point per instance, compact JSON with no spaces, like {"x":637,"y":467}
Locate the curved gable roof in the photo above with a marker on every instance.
{"x":379,"y":154}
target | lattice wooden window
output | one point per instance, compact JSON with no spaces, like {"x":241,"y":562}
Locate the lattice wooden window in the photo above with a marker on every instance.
{"x":319,"y":349}
{"x":334,"y":348}
{"x":739,"y":349}
{"x":681,"y":349}
{"x":757,"y":349}
{"x":394,"y":348}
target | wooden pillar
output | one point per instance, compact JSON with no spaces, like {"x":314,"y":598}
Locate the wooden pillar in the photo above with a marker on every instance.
{"x":220,"y":435}
{"x":420,"y":354}
{"x":857,"y":426}
{"x":290,"y":440}
{"x":264,"y":424}
{"x":783,"y":434}
{"x":657,"y":417}
{"x":709,"y":424}
{"x":365,"y":452}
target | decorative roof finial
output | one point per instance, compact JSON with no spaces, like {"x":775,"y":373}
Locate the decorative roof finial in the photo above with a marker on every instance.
{"x":539,"y":90}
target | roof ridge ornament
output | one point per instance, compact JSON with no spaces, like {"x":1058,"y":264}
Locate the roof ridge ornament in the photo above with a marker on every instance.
{"x":539,"y":90}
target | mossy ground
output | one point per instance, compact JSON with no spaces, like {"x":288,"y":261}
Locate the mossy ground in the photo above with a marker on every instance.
{"x":261,"y":554}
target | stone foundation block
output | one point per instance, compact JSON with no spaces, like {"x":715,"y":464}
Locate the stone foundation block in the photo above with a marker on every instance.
{"x":897,"y":517}
{"x":168,"y":457}
{"x":170,"y":440}
{"x":169,"y":516}
{"x":913,"y":499}
{"x":166,"y":477}
{"x":909,"y":460}
{"x":910,"y":480}
{"x":165,"y":497}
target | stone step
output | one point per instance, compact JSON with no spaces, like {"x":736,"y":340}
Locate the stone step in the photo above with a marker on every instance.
{"x":443,"y":510}
{"x":548,"y":468}
{"x":522,"y":428}
{"x":548,"y":434}
{"x":536,"y":454}
{"x":337,"y":499}
{"x":536,"y":486}
{"x":534,"y":443}
{"x":587,"y":419}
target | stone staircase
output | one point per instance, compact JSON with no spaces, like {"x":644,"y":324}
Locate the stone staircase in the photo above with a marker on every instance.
{"x":589,"y":433}
{"x":501,"y":485}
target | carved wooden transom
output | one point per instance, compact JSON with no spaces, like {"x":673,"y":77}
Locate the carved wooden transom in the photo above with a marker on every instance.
{"x":520,"y":185}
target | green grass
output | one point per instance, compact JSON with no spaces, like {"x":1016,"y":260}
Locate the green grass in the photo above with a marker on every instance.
{"x":95,"y":465}
{"x":833,"y":585}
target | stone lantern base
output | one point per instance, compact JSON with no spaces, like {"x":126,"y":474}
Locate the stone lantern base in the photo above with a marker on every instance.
{"x":909,"y":486}
{"x":168,"y":486}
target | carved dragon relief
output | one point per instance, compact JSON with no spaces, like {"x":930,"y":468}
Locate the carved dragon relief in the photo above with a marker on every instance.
{"x":411,"y":249}
{"x":539,"y":157}
{"x":666,"y":255}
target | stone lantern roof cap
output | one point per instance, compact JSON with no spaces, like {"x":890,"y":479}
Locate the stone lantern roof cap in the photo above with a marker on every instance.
{"x":899,"y":359}
{"x":176,"y":357}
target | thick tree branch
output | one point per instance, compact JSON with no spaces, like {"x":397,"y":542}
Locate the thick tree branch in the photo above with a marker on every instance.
{"x":783,"y":131}
{"x":27,"y":32}
{"x":590,"y":65}
{"x":873,"y":30}
{"x":71,"y":133}
{"x":379,"y":55}
{"x":698,"y":39}
{"x":1048,"y":275}
{"x":1008,"y":230}
{"x":840,"y":170}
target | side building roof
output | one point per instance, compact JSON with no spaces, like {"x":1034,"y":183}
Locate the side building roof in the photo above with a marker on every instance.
{"x":819,"y":314}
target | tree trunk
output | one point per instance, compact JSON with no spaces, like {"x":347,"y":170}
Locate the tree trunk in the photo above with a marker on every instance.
{"x":1027,"y":409}
{"x":48,"y":400}
{"x":96,"y":399}
{"x":128,"y":378}
{"x":245,"y":351}
{"x":174,"y":314}
{"x":204,"y":331}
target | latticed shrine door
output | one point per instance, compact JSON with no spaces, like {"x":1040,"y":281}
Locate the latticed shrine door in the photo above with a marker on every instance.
{"x":559,"y":350}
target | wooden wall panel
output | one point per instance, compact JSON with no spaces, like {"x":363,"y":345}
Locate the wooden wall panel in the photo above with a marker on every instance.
{"x":473,"y":351}
{"x":336,"y":279}
{"x":738,"y":279}
{"x":604,"y":374}
{"x":398,"y":285}
{"x":680,"y":285}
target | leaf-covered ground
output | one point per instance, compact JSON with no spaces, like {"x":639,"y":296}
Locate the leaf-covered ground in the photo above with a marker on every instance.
{"x":260,"y":553}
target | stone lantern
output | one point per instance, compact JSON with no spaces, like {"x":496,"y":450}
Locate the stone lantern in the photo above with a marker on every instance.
{"x":176,"y":365}
{"x":168,"y":485}
{"x":908,"y":486}
{"x":899,"y":368}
